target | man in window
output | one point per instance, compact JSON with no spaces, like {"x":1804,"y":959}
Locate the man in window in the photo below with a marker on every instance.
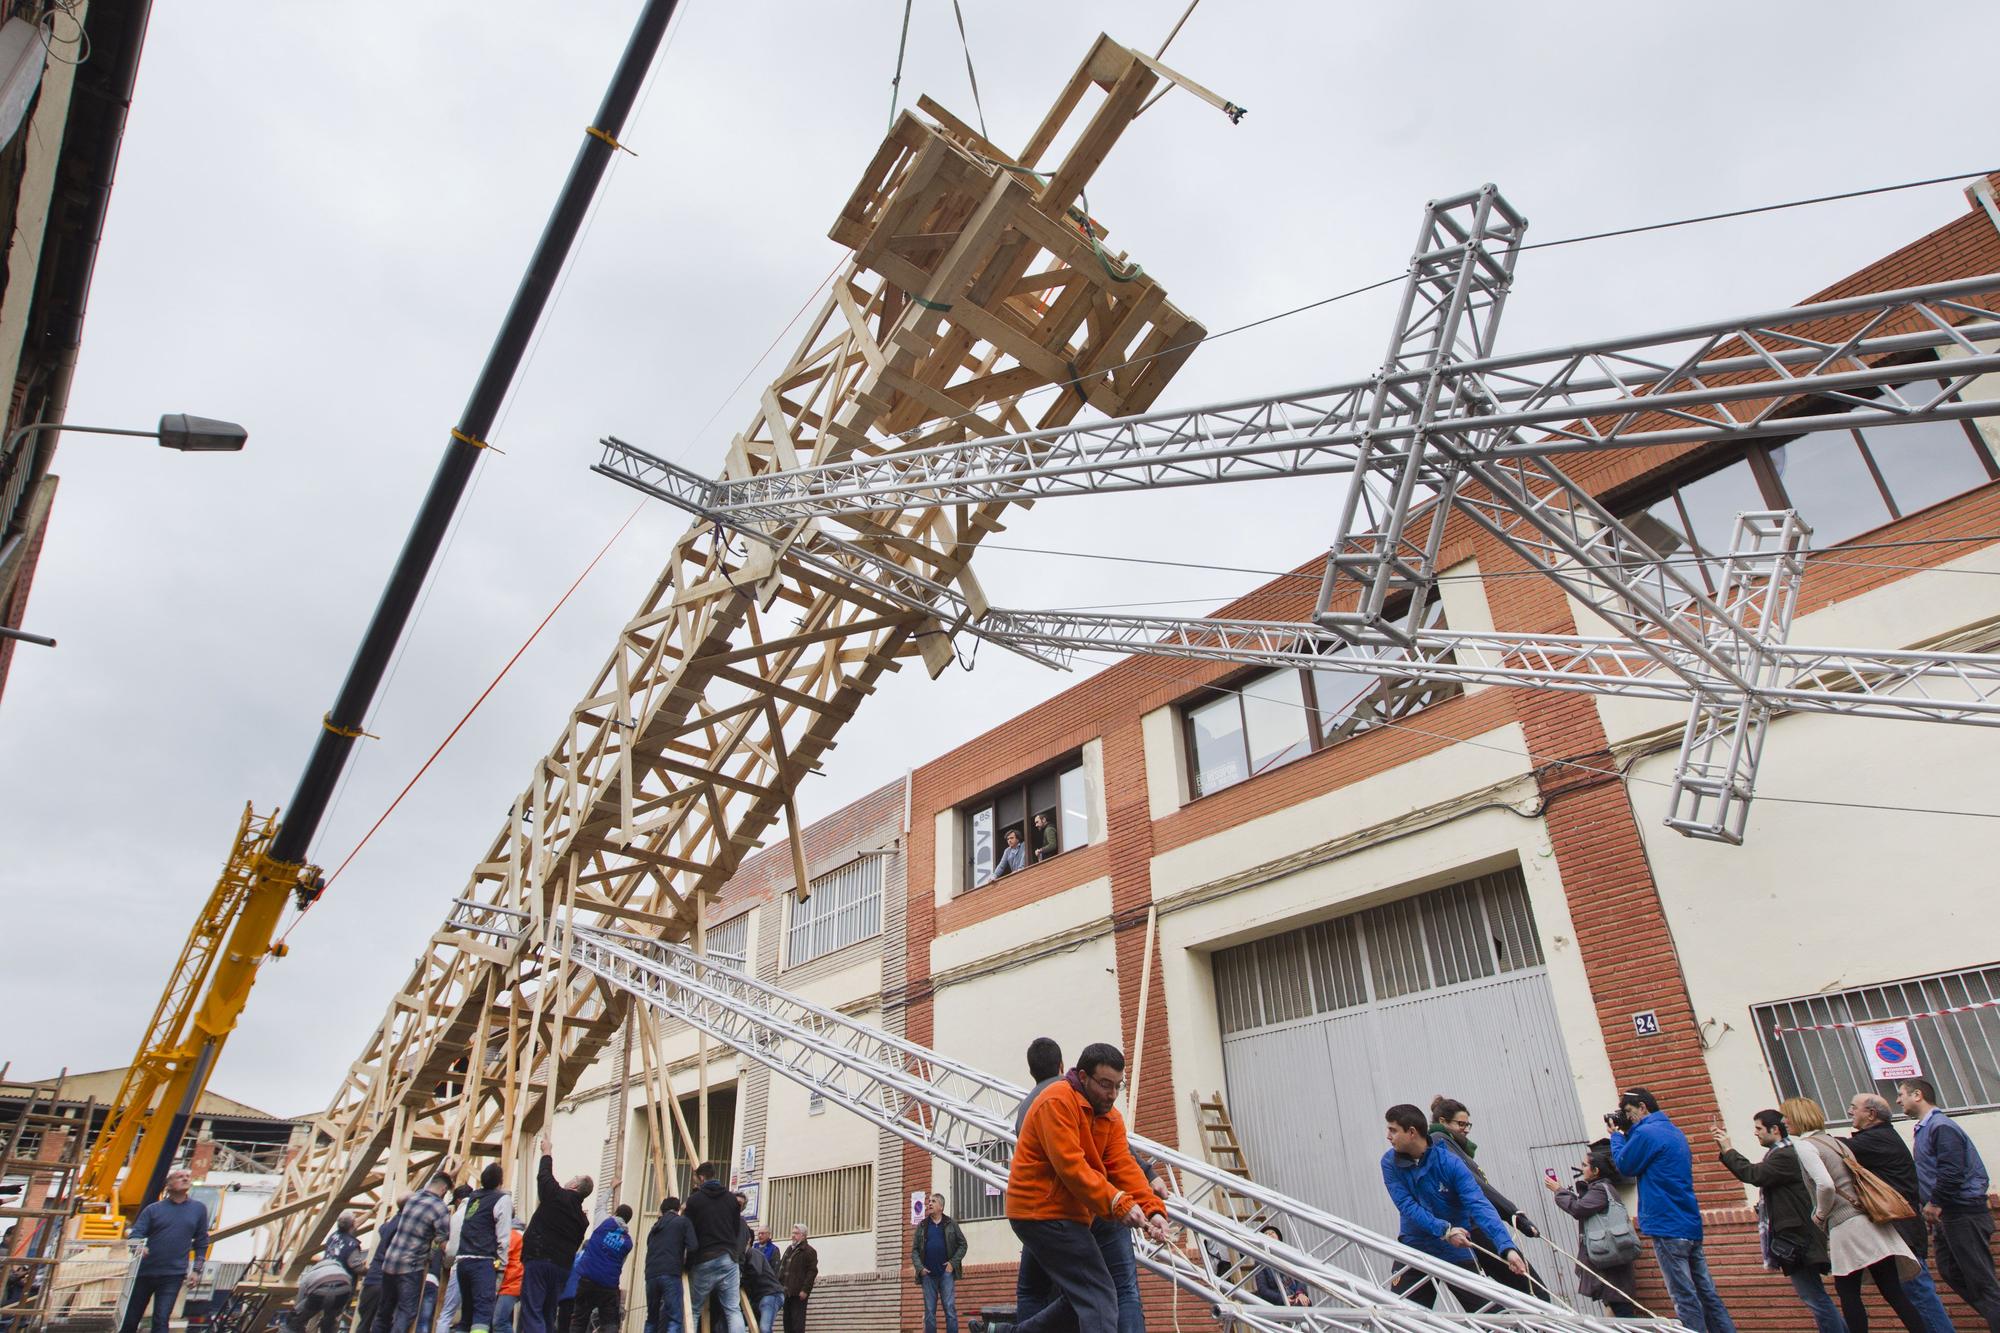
{"x":1013,"y":857}
{"x":1045,"y":838}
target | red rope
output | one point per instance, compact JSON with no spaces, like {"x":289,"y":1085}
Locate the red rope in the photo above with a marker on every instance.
{"x":453,"y":735}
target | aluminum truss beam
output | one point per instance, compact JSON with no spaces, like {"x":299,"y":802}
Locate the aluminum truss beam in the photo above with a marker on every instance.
{"x":1908,"y":685}
{"x":958,"y":1114}
{"x":1689,"y":385}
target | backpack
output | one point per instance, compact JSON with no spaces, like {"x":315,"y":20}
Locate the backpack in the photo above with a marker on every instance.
{"x":1608,"y":1237}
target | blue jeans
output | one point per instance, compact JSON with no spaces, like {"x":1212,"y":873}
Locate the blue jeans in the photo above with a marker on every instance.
{"x":719,"y":1275}
{"x":162,"y":1289}
{"x":402,"y":1294}
{"x":767,"y":1311}
{"x":1811,"y":1290}
{"x":663,"y":1304}
{"x":1923,"y":1294}
{"x":503,"y":1313}
{"x":1697,"y":1303}
{"x":477,"y":1284}
{"x":940,"y":1289}
{"x":1114,"y":1242}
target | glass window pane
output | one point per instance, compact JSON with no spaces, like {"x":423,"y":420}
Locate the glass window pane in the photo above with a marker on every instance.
{"x":1337,"y":693}
{"x":982,"y":845}
{"x":1925,"y":462}
{"x":1714,"y":501}
{"x":1219,"y":758}
{"x":1274,"y":705}
{"x":1075,"y":815}
{"x":1827,"y":481}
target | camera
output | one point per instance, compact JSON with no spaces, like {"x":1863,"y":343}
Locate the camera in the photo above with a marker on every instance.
{"x":1618,"y":1120}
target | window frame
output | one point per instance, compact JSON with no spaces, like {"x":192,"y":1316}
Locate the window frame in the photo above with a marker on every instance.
{"x":793,"y":924}
{"x":1318,"y":736}
{"x":1022,"y":787}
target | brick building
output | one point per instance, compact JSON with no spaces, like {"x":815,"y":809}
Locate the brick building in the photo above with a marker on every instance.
{"x":1356,"y":894}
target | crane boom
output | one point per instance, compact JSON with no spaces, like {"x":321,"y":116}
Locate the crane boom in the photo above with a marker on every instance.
{"x":234,"y":934}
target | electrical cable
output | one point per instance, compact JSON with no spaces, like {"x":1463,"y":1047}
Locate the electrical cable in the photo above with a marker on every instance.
{"x":1540,"y":245}
{"x":729,"y":398}
{"x":483,"y":695}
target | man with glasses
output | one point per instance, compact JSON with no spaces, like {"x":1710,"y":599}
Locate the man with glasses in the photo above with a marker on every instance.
{"x":1071,"y":1167}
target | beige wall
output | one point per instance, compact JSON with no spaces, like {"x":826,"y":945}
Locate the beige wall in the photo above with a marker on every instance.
{"x":797,"y":1142}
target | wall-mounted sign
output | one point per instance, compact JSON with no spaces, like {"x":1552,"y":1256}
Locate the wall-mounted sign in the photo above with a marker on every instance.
{"x":1646,"y":1023}
{"x":1890,"y":1052}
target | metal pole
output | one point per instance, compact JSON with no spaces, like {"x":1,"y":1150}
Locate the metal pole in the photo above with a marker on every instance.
{"x":392,"y":613}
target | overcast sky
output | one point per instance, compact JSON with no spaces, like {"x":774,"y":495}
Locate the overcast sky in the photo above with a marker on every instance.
{"x":320,"y":217}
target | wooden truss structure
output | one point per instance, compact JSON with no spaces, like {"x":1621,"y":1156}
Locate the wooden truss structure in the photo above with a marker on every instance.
{"x":976,"y":279}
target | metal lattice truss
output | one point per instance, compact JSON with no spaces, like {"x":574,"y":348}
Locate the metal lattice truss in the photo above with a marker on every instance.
{"x":970,"y":286}
{"x":1448,"y":430}
{"x":965,"y":1117}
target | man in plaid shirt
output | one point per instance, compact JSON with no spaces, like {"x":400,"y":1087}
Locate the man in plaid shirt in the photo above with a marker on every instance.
{"x":422,"y":1225}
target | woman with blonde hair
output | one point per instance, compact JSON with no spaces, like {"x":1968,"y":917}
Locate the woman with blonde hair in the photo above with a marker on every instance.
{"x":1856,"y":1243}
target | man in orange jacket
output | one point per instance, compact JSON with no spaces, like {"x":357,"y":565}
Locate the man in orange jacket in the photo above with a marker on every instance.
{"x":1071,"y":1167}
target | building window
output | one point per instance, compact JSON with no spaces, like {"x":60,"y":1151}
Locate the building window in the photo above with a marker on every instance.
{"x":839,"y":1202}
{"x":1047,"y":812}
{"x":1260,"y":722}
{"x":1842,"y":482}
{"x":1479,"y":928}
{"x":971,"y":1198}
{"x":730,"y":942}
{"x":1814,"y":1048}
{"x":845,"y":907}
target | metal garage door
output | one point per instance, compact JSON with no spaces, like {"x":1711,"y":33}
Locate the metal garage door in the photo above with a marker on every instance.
{"x":1327,"y":1026}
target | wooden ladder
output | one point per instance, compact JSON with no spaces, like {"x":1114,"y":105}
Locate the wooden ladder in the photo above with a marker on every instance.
{"x":1221,"y":1147}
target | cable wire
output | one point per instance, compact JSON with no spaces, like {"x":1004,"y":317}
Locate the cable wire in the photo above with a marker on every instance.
{"x":971,"y":77}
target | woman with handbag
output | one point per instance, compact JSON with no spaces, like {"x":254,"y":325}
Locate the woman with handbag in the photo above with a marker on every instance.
{"x":1791,"y":1238}
{"x":1847,"y":1199}
{"x":1599,"y":1278}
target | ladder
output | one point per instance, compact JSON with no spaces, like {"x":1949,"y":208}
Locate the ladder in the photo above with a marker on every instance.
{"x":1220,"y":1146}
{"x":955,"y":1112}
{"x":46,"y":1177}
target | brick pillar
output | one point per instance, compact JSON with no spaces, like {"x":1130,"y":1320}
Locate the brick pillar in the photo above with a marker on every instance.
{"x":1627,"y":947}
{"x":1129,"y":831}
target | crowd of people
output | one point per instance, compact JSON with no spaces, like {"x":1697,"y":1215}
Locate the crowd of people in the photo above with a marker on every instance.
{"x":460,"y":1258}
{"x":1866,"y":1206}
{"x":1862,"y":1206}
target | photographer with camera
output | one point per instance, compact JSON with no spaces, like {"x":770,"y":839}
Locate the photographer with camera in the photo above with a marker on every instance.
{"x":1793,"y":1241}
{"x":1650,"y":1148}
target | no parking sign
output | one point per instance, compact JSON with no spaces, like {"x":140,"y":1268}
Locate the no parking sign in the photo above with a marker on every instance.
{"x":1888,"y":1049}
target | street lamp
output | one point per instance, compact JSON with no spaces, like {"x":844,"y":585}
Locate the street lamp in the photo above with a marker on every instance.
{"x":177,"y":430}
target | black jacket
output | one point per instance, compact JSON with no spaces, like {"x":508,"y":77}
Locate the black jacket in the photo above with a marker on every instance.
{"x":667,"y":1247}
{"x":717,"y":1220}
{"x":558,"y":1227}
{"x":798,"y":1268}
{"x":760,"y":1279}
{"x":1882,"y":1150}
{"x":1501,"y":1203}
{"x":1788,"y":1204}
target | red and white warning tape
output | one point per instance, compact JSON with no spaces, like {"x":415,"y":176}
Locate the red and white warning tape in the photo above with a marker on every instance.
{"x":1777,"y":1031}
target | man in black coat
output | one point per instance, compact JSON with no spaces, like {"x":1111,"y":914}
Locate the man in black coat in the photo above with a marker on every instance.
{"x":719,"y":1241}
{"x":1795,"y":1244}
{"x":554,"y":1233}
{"x":1877,"y":1146}
{"x":668,"y":1246}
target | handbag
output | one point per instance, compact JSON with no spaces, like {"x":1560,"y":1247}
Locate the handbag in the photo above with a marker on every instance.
{"x":1608,"y":1237}
{"x":1876,"y":1196}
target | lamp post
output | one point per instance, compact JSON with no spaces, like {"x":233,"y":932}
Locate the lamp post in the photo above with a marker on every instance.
{"x":177,"y":430}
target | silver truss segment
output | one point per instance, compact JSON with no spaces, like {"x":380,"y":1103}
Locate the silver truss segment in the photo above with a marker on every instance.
{"x":1911,"y":685}
{"x":1459,"y":277}
{"x":1645,"y":390}
{"x":957,"y":1113}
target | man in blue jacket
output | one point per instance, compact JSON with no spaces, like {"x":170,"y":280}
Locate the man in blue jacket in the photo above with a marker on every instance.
{"x":599,"y":1269}
{"x":1439,"y":1202}
{"x":1651,"y":1149}
{"x":1952,"y":1182}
